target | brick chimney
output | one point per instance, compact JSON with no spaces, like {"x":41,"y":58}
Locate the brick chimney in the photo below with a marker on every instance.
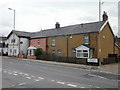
{"x":105,"y":16}
{"x":57,"y":25}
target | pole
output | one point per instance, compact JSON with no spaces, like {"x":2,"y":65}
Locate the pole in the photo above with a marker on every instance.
{"x":99,"y":48}
{"x":13,"y":28}
{"x":14,"y":21}
{"x":99,"y":10}
{"x":2,"y":45}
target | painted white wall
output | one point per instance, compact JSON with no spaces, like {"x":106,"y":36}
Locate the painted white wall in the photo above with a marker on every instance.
{"x":12,"y":47}
{"x":24,"y":46}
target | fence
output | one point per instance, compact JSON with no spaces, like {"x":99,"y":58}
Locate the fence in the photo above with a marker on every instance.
{"x":62,"y":59}
{"x":111,"y":59}
{"x":77,"y":61}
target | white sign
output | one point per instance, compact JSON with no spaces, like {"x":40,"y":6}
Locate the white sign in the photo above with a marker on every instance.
{"x":94,"y":60}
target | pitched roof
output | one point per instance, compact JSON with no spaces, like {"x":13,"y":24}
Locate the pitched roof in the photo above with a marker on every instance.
{"x":2,"y":38}
{"x":70,"y":30}
{"x":21,"y":34}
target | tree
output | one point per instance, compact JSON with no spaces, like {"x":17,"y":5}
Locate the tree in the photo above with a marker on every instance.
{"x":38,"y":52}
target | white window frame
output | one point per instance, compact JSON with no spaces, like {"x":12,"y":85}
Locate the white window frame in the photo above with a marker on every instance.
{"x":86,"y":38}
{"x":59,"y":52}
{"x":53,"y":41}
{"x":81,"y":53}
{"x":13,"y":40}
{"x":53,"y":52}
{"x":38,"y":42}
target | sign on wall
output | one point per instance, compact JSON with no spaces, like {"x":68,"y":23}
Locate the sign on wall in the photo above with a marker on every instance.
{"x":92,"y":60}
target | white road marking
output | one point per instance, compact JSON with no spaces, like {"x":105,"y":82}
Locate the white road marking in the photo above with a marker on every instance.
{"x":40,"y":78}
{"x":52,"y":80}
{"x":60,"y":82}
{"x":32,"y":76}
{"x":28,"y":77}
{"x":97,"y":87}
{"x":20,"y":73}
{"x":72,"y":85}
{"x":15,"y":74}
{"x":21,"y":84}
{"x":37,"y":80}
{"x":14,"y":71}
{"x":26,"y":74}
{"x":82,"y":87}
{"x":12,"y":85}
{"x":5,"y":71}
{"x":97,"y":76}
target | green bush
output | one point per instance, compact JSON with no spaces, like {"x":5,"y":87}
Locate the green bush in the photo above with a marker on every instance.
{"x":38,"y":52}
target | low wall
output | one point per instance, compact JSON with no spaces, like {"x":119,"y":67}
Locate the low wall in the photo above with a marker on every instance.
{"x":22,"y":56}
{"x":31,"y":57}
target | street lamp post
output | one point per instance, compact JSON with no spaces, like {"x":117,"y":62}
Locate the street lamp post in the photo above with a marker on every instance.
{"x":14,"y":18}
{"x":13,"y":27}
{"x":100,"y":3}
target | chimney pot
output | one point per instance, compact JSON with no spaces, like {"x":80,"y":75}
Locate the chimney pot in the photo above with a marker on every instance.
{"x":105,"y":16}
{"x":57,"y":25}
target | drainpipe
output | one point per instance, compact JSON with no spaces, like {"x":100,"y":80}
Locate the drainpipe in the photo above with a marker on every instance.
{"x":19,"y":46}
{"x":67,"y":46}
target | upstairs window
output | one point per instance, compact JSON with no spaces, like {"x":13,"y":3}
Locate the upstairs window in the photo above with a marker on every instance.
{"x":86,"y":39}
{"x":12,"y":40}
{"x":38,"y":42}
{"x":53,"y":42}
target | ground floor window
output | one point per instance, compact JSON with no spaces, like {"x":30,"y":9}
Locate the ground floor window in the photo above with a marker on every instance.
{"x":82,"y":54}
{"x":53,"y":52}
{"x":10,"y":50}
{"x":59,"y":52}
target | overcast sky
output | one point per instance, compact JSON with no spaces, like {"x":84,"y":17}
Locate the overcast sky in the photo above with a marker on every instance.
{"x":34,"y":15}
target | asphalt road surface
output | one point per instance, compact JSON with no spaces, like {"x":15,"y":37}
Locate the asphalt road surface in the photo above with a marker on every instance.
{"x":18,"y":73}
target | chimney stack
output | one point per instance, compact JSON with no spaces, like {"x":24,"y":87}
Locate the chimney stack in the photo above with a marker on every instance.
{"x":57,"y":25}
{"x":105,"y":16}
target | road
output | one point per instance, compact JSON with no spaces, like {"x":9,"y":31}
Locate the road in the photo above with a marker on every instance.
{"x":18,"y":73}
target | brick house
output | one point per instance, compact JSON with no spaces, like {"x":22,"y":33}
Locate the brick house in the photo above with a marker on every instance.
{"x":34,"y":44}
{"x":86,"y":40}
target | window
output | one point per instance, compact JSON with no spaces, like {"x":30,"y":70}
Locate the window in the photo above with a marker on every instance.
{"x":12,"y":40}
{"x":73,"y":52}
{"x":53,"y":41}
{"x":38,"y":42}
{"x":82,"y":54}
{"x":10,"y":50}
{"x":86,"y":39}
{"x":59,"y":52}
{"x":53,"y":52}
{"x":15,"y":50}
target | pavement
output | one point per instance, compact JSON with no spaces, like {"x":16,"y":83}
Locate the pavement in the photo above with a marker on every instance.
{"x":110,"y":68}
